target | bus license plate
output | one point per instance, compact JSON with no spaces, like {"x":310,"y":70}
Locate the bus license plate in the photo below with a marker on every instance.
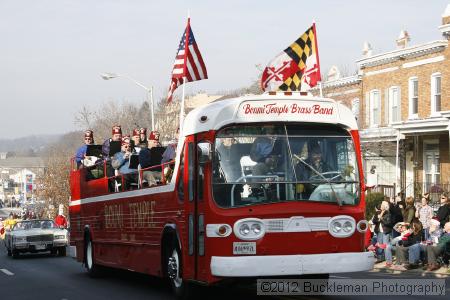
{"x":244,"y":248}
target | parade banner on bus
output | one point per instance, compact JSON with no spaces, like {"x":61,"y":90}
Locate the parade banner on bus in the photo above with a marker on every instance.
{"x":301,"y":110}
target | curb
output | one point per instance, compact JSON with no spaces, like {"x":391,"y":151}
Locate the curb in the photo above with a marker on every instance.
{"x":442,"y":272}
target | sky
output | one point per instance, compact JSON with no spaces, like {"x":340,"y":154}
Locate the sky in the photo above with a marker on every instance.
{"x":52,"y":52}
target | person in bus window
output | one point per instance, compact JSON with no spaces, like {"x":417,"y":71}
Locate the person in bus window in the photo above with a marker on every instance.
{"x":146,"y":161}
{"x":311,"y":169}
{"x":81,"y":152}
{"x":264,"y":152}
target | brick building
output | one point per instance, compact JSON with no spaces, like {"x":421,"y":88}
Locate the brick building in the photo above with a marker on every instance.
{"x":402,"y":98}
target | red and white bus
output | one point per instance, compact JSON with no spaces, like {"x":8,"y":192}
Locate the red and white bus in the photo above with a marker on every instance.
{"x":268,"y":185}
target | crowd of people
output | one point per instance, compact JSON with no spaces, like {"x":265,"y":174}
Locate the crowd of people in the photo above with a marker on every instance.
{"x":417,"y":235}
{"x":124,"y":155}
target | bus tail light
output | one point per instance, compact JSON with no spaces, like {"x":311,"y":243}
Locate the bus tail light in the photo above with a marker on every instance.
{"x":249,"y":229}
{"x":341,"y":226}
{"x":362,"y":226}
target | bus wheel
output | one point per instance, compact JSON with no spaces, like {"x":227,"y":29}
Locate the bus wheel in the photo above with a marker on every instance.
{"x":174,"y":269}
{"x":92,"y":269}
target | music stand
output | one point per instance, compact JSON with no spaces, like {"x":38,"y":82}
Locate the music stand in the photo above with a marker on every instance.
{"x":114,"y":147}
{"x":134,"y":161}
{"x":94,"y":150}
{"x":156,"y":154}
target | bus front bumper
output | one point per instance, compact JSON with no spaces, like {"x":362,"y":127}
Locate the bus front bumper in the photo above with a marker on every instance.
{"x":284,"y":265}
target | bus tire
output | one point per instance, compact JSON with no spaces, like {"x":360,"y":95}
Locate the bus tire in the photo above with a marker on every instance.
{"x":174,"y":267}
{"x":93,"y":269}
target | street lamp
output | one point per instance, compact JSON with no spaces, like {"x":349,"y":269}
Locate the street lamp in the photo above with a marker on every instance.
{"x":108,"y":76}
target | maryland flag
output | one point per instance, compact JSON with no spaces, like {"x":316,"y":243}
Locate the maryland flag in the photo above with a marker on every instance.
{"x":296,"y":68}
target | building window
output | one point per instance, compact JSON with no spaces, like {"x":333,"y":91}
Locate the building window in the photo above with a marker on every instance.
{"x":432,"y":170}
{"x":435,"y":93}
{"x":394,"y":104}
{"x":413,"y":97}
{"x":375,"y":106}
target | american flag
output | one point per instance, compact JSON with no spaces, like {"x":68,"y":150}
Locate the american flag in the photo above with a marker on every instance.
{"x":188,"y":62}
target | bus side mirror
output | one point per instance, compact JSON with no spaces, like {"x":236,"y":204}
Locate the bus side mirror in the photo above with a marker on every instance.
{"x":204,"y":152}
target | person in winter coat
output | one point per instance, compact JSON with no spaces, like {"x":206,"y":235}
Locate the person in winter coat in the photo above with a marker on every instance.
{"x":384,"y":229}
{"x":409,"y":240}
{"x":433,"y":251}
{"x":443,"y":213}
{"x":409,"y":212}
{"x":61,"y":219}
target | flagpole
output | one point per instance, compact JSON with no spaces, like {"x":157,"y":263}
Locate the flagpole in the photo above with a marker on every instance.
{"x":317,"y":58}
{"x":182,"y":105}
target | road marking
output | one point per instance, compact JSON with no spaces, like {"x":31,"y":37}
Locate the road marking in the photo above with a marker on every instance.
{"x":7,"y":272}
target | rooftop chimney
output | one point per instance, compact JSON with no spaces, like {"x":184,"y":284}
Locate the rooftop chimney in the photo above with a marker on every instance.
{"x":403,"y":39}
{"x":367,"y":50}
{"x":445,"y":28}
{"x":334,"y":73}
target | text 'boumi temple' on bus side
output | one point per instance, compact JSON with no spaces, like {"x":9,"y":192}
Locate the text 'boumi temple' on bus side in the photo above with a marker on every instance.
{"x":267,"y":185}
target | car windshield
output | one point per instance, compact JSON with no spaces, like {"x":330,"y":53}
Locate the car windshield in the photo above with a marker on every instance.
{"x":284,"y":162}
{"x":35,"y":224}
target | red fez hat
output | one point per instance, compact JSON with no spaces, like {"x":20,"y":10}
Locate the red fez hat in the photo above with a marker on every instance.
{"x":89,"y":133}
{"x":126,"y":139}
{"x":136,"y":132}
{"x":154,"y":135}
{"x":116,"y":129}
{"x":143,"y":131}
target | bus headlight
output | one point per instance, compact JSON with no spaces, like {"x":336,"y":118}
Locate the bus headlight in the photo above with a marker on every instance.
{"x":341,"y":226}
{"x":249,"y":229}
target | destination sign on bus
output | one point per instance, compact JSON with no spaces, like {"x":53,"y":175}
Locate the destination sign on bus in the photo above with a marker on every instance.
{"x":286,"y":108}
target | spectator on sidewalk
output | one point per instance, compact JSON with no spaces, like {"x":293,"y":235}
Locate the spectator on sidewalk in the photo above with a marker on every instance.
{"x":409,"y":212}
{"x":402,"y":229}
{"x":434,"y":251}
{"x":396,"y":215}
{"x":424,"y":213}
{"x":443,"y":213}
{"x":384,"y":231}
{"x":404,"y":245}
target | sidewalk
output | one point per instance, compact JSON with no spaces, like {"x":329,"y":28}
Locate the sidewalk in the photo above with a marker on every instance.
{"x":381,"y":267}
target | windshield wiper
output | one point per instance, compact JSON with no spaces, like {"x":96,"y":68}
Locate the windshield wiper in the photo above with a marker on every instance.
{"x":323,"y":177}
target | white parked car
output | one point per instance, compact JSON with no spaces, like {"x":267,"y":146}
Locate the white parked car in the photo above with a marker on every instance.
{"x":36,"y":236}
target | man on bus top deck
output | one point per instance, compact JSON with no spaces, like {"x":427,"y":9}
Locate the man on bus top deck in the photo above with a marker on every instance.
{"x":135,"y":136}
{"x":81,"y":152}
{"x":170,"y":152}
{"x":120,"y":162}
{"x":116,"y":136}
{"x":143,"y":137}
{"x":145,"y":160}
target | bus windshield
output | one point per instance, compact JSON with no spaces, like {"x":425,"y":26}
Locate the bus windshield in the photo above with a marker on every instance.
{"x":256,"y":164}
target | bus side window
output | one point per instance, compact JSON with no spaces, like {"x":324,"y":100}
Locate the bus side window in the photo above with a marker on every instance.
{"x":180,"y":187}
